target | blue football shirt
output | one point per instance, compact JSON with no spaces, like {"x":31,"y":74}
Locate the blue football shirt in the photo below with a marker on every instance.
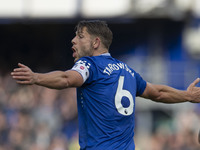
{"x":106,"y":103}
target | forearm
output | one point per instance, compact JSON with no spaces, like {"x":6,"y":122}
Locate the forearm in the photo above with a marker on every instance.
{"x":166,"y":94}
{"x":54,"y":80}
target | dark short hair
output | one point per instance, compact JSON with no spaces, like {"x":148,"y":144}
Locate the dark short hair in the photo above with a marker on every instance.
{"x":97,"y":28}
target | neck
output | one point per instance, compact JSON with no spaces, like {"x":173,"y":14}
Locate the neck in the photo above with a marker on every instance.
{"x":99,"y":52}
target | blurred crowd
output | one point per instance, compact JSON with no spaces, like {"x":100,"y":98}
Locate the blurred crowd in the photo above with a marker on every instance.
{"x":38,"y":118}
{"x":178,"y":133}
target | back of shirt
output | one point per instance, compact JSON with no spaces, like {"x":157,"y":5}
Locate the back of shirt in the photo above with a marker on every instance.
{"x":106,"y":103}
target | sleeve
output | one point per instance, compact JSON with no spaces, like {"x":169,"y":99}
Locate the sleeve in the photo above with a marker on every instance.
{"x":141,"y":84}
{"x":81,"y":68}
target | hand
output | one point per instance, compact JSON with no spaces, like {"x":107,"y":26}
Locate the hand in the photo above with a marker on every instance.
{"x":23,"y":75}
{"x":194,"y":91}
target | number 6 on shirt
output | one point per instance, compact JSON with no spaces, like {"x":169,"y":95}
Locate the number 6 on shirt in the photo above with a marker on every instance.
{"x":118,"y":98}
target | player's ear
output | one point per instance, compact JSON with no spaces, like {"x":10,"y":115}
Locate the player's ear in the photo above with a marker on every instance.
{"x":96,"y":42}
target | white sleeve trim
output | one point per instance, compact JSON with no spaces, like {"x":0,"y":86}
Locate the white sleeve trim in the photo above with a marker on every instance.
{"x":82,"y":69}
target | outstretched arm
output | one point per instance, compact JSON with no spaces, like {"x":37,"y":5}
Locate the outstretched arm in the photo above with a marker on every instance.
{"x":54,"y":80}
{"x":166,"y":94}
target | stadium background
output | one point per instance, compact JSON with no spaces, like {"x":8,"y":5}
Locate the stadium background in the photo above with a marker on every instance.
{"x":160,"y":39}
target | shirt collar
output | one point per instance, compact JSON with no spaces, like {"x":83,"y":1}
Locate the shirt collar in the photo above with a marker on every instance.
{"x":105,"y":54}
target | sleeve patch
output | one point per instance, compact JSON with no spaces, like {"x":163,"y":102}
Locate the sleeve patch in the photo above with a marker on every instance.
{"x":82,"y":69}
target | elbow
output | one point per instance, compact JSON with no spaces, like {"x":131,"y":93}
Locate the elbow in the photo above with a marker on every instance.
{"x":64,"y":84}
{"x":158,"y":97}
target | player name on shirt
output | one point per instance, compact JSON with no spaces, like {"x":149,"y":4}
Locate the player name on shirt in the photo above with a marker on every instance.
{"x":111,"y":67}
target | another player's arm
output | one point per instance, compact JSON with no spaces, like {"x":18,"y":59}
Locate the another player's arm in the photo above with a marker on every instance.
{"x":54,"y":80}
{"x":166,"y":94}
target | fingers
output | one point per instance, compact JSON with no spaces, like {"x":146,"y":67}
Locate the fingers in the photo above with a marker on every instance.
{"x":195,"y":82}
{"x":22,"y":75}
{"x":19,"y":72}
{"x":22,"y":68}
{"x":22,"y":78}
{"x":21,"y":65}
{"x":23,"y":82}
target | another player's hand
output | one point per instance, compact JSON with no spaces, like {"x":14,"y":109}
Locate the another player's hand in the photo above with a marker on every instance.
{"x":194,"y":91}
{"x":23,"y":75}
